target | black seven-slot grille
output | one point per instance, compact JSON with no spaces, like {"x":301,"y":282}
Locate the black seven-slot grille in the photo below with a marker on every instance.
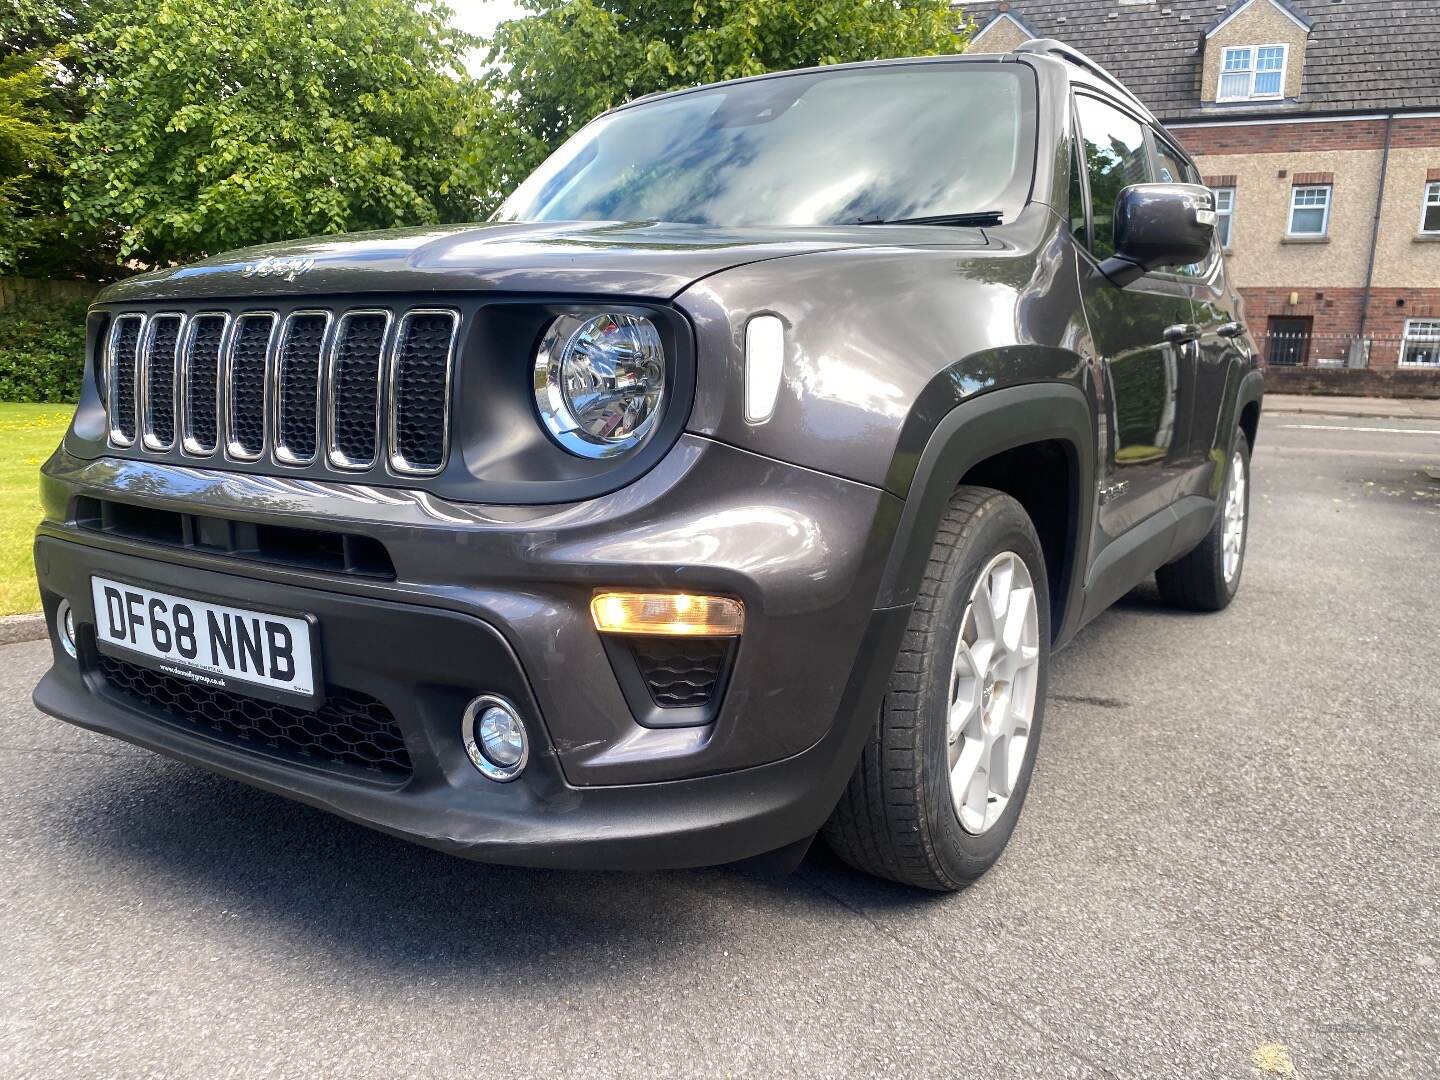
{"x":247,"y":384}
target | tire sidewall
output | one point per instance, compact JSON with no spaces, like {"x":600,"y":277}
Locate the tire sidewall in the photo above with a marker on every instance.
{"x":1001,"y":526}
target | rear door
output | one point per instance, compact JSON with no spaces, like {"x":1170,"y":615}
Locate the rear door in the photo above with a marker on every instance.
{"x":1213,"y":367}
{"x":1143,"y":333}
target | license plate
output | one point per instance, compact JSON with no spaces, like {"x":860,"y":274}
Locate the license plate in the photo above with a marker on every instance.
{"x":215,"y":645}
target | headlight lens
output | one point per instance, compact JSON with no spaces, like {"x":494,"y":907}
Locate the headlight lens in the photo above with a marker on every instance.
{"x":599,"y":382}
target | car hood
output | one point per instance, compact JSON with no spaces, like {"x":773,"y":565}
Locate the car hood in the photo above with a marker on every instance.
{"x":645,"y":259}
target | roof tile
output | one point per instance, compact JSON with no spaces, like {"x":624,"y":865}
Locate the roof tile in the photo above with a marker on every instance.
{"x":1362,"y":54}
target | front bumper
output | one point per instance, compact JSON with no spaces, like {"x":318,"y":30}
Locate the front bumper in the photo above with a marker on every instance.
{"x":495,"y":600}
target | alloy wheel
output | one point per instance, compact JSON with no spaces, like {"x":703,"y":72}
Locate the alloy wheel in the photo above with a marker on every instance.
{"x":993,"y":682}
{"x":1232,"y":535}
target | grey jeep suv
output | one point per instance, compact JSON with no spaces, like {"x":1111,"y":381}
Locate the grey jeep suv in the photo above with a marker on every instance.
{"x":734,"y":484}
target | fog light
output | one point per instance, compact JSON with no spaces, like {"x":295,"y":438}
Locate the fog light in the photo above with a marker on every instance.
{"x":495,"y":738}
{"x":667,"y":614}
{"x":65,"y":629}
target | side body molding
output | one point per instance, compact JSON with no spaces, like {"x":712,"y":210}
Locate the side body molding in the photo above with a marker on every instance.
{"x":979,"y":428}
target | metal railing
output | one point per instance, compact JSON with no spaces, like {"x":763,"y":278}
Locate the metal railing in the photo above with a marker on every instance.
{"x":1294,"y":349}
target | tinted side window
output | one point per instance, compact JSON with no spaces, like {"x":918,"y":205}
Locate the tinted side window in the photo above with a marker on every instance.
{"x":1115,"y":158}
{"x":1170,"y":167}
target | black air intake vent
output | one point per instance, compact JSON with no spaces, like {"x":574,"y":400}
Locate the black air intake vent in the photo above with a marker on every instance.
{"x":421,"y":391}
{"x":202,"y":382}
{"x":298,"y":387}
{"x":161,"y":355}
{"x":351,"y":732}
{"x":121,"y":365}
{"x":681,"y":673}
{"x":249,"y":357}
{"x":355,"y":389}
{"x":282,"y":545}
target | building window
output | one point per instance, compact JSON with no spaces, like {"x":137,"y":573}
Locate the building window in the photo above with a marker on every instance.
{"x":1252,"y":72}
{"x":1310,"y":210}
{"x":1430,"y":212}
{"x":1421,"y":347}
{"x":1224,"y":211}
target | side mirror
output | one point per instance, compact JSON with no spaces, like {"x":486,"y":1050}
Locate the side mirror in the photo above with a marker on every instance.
{"x":1158,"y":225}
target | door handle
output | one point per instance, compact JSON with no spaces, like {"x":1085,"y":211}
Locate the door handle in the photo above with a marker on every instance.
{"x":1180,"y":333}
{"x":1230,"y":330}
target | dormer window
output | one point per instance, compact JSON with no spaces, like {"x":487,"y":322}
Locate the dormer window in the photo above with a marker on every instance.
{"x":1252,"y":73}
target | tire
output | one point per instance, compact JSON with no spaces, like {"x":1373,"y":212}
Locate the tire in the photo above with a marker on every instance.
{"x":1198,"y":581}
{"x":897,"y":818}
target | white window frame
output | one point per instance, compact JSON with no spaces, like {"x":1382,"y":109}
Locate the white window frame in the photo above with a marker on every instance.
{"x":1428,"y":335}
{"x":1329,"y":190}
{"x":1228,"y":213}
{"x":1250,"y":70}
{"x":1430,"y":198}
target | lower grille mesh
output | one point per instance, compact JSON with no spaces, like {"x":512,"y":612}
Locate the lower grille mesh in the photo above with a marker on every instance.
{"x":351,"y":733}
{"x":681,"y":673}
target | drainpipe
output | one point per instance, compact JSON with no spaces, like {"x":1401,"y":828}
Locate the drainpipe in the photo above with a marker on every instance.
{"x":1374,"y":240}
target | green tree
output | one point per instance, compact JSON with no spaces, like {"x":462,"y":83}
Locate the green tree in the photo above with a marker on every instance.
{"x":212,"y":124}
{"x":571,"y":59}
{"x":39,"y":100}
{"x":28,"y":135}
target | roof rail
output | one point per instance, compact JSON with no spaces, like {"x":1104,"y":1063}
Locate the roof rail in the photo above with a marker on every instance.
{"x":1062,"y":51}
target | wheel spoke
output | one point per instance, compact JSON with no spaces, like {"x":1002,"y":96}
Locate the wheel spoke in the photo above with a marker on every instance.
{"x":977,"y":798}
{"x":998,"y":771}
{"x":1021,"y":605}
{"x":963,"y":772}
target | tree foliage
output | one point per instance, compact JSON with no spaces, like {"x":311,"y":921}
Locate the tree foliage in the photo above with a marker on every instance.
{"x":212,"y":124}
{"x":37,"y":103}
{"x":572,"y":59}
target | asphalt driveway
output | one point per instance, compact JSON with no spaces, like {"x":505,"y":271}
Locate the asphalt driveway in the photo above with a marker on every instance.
{"x":1232,"y":842}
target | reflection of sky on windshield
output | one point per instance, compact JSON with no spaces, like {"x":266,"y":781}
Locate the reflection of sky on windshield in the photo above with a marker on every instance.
{"x":802,"y":150}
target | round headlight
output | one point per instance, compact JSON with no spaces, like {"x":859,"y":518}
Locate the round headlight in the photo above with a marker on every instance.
{"x":599,"y":381}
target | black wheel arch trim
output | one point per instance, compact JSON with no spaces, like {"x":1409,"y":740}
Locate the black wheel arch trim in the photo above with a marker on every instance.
{"x":979,"y":428}
{"x":1250,"y":392}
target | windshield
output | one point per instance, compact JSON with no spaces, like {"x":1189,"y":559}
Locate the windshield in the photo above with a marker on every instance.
{"x":821,"y":148}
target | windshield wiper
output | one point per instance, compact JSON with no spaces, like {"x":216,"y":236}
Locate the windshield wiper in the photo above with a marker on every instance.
{"x":984,"y":217}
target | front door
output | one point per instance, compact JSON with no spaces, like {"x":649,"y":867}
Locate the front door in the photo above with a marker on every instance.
{"x":1288,"y":341}
{"x":1144,"y":334}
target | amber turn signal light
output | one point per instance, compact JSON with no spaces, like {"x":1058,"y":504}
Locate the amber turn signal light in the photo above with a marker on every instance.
{"x":667,"y":614}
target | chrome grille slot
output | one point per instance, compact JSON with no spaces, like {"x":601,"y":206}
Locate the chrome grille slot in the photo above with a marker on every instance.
{"x":161,"y":353}
{"x":122,"y":355}
{"x":297,"y":386}
{"x":420,"y":391}
{"x":356,"y":364}
{"x":245,"y":392}
{"x":200,"y":367}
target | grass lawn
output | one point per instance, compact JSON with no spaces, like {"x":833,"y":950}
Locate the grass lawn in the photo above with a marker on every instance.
{"x":28,"y":434}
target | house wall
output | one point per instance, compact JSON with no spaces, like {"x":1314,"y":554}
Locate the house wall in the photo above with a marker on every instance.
{"x":1327,"y":279}
{"x":1001,"y":36}
{"x":1262,"y":23}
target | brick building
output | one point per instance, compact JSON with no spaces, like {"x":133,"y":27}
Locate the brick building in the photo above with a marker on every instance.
{"x":1317,"y":123}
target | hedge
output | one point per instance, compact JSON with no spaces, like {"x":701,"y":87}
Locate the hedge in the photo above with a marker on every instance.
{"x":42,"y":351}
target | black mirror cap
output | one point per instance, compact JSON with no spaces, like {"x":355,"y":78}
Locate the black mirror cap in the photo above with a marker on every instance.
{"x":1159,"y":225}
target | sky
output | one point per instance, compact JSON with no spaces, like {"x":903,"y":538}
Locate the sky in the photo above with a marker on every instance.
{"x":480,"y":17}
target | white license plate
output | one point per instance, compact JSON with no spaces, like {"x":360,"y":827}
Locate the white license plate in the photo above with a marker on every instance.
{"x":209,"y":644}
